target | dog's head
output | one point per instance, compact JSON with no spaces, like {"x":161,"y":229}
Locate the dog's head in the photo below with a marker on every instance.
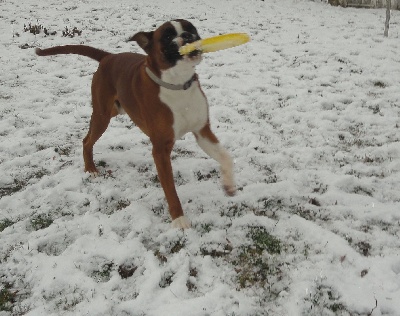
{"x":162,"y":45}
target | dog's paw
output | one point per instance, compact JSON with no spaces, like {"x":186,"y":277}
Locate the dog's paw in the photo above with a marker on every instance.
{"x":94,"y":174}
{"x":181,"y":223}
{"x":230,"y":190}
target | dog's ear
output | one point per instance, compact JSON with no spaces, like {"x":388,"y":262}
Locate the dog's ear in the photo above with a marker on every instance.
{"x":144,"y":40}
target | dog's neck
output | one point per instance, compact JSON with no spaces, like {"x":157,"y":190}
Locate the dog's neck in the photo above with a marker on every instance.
{"x":179,"y":74}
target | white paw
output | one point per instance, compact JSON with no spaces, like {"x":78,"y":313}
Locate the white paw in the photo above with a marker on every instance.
{"x":181,"y":223}
{"x":230,"y":190}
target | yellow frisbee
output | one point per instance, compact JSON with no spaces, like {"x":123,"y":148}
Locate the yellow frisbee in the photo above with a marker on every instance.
{"x":215,"y":43}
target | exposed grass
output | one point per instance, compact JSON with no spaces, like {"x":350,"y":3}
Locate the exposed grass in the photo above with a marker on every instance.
{"x":104,"y":273}
{"x":252,"y":265}
{"x":216,"y":251}
{"x":379,"y":84}
{"x":235,"y":210}
{"x":41,"y":221}
{"x":5,"y":223}
{"x":17,"y":186}
{"x":161,"y":257}
{"x":255,"y":262}
{"x":323,"y":299}
{"x":190,"y":284}
{"x":166,"y":279}
{"x":102,"y":163}
{"x":112,"y":205}
{"x":205,"y":176}
{"x":20,"y":183}
{"x":63,"y":151}
{"x":121,"y":204}
{"x":251,"y":268}
{"x":206,"y":228}
{"x":126,"y":270}
{"x":363,"y":248}
{"x":178,"y":245}
{"x":263,"y":240}
{"x":7,"y":297}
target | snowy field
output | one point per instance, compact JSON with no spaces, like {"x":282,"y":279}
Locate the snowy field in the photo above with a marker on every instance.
{"x":310,"y":111}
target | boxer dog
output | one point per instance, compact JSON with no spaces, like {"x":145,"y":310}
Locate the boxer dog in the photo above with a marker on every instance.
{"x":161,"y":93}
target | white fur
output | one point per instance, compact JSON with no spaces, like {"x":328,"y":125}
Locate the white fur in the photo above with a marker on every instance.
{"x":181,"y":223}
{"x":189,"y":107}
{"x":190,"y":112}
{"x":182,"y":71}
{"x":219,"y":153}
{"x":179,"y":30}
{"x":178,"y":27}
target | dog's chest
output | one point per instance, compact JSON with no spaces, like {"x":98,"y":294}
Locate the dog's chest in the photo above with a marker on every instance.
{"x":189,"y":109}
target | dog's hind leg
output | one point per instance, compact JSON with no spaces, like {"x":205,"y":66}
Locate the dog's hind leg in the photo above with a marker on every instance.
{"x":98,"y":125}
{"x":211,"y":146}
{"x":103,"y":110}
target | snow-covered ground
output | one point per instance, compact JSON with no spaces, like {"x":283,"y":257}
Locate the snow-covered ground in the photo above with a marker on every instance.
{"x":310,"y":111}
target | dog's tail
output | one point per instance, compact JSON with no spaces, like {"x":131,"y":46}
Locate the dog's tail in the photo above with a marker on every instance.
{"x":91,"y":52}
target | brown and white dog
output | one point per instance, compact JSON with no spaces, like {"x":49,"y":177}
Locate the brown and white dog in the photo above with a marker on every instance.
{"x":161,"y":94}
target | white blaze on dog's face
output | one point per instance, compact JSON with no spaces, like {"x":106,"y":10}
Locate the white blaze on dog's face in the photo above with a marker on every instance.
{"x":162,"y":45}
{"x":177,"y":34}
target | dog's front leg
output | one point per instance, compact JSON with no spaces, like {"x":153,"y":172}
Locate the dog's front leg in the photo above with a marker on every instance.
{"x":211,"y":146}
{"x":162,"y":159}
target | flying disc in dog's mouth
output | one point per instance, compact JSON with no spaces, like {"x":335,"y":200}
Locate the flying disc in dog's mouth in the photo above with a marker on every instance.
{"x":215,"y":43}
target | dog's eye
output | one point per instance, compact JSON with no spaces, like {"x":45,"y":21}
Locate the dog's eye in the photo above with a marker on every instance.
{"x":169,"y":34}
{"x":192,"y":30}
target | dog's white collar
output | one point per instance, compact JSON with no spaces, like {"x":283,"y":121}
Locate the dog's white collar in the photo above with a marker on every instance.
{"x":171,"y":86}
